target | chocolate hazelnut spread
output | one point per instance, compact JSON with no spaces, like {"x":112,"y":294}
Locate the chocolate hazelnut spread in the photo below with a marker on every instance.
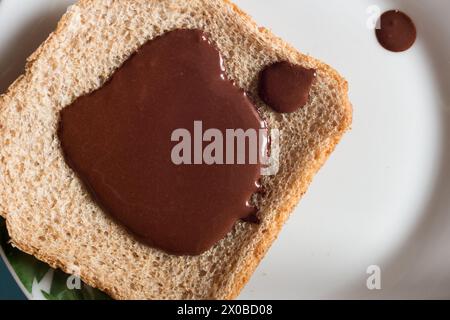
{"x":396,"y":31}
{"x":285,"y":87}
{"x":118,"y":140}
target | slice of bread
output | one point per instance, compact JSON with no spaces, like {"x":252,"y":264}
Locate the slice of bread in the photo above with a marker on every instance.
{"x":49,"y":213}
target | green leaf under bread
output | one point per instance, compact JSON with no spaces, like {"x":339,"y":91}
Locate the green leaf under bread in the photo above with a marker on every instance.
{"x":29,"y":269}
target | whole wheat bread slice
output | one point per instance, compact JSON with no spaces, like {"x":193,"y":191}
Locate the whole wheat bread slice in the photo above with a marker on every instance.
{"x":49,"y":213}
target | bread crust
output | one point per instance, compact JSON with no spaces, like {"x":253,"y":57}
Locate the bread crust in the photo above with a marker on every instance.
{"x":300,"y":177}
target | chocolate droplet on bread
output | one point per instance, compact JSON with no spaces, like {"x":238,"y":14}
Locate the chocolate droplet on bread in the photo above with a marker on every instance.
{"x":285,"y":87}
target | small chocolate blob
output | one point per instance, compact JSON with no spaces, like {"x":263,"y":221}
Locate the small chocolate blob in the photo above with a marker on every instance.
{"x":396,"y":31}
{"x":285,"y":86}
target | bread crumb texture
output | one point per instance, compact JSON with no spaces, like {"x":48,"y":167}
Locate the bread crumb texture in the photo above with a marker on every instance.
{"x":49,"y":213}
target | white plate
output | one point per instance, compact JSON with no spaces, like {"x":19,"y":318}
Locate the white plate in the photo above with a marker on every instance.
{"x":383,"y":199}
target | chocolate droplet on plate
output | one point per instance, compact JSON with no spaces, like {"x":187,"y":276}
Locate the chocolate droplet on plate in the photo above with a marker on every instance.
{"x":285,"y":86}
{"x":396,"y":31}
